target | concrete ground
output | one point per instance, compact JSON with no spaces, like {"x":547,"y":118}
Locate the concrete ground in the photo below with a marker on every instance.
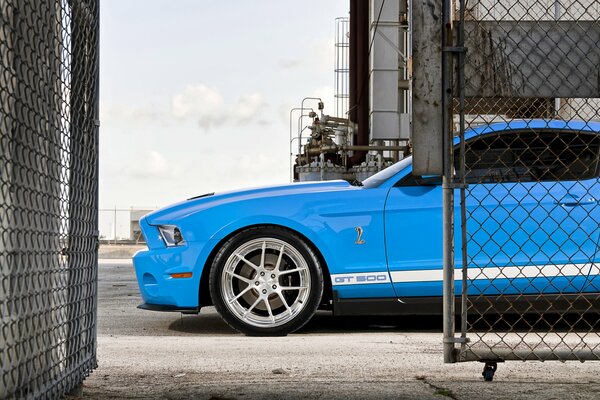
{"x":118,"y":251}
{"x":151,"y":355}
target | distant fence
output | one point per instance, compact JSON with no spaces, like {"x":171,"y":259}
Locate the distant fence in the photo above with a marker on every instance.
{"x":121,"y":224}
{"x":48,"y":195}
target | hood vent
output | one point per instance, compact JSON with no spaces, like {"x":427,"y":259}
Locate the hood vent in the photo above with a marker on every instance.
{"x":202,"y":195}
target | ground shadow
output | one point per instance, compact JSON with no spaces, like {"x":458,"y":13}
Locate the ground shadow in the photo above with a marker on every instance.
{"x":322,"y":323}
{"x":203,"y":323}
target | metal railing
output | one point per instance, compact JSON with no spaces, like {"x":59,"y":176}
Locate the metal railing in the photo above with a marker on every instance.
{"x":342,"y":67}
{"x":48,"y":195}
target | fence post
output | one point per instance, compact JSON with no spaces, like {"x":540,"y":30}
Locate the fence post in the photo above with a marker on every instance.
{"x":448,"y":184}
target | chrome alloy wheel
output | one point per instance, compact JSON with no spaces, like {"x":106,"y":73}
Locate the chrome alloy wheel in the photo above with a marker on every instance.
{"x":265,"y":282}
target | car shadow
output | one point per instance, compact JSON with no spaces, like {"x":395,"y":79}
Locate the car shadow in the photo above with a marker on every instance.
{"x":322,"y":323}
{"x":210,"y":323}
{"x":203,"y":323}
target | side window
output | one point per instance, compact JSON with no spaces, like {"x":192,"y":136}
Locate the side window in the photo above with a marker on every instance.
{"x":531,"y":156}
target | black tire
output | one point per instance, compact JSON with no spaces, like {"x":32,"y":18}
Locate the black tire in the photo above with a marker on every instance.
{"x":222,"y":288}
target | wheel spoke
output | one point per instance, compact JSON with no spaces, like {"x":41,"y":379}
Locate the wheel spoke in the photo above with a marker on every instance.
{"x":240,"y":294}
{"x":241,"y":278}
{"x":258,"y":300}
{"x":269,"y":309}
{"x":262,"y":254}
{"x":241,"y":257}
{"x":257,"y":272}
{"x":284,"y":301}
{"x":280,"y":257}
{"x":289,"y":271}
{"x":293,"y":287}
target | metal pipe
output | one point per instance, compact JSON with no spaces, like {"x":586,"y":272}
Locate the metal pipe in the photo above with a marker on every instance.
{"x":377,"y":148}
{"x":352,"y":91}
{"x":322,"y":165}
{"x":447,"y":186}
{"x":292,"y":139}
{"x":310,"y":98}
{"x":557,"y":14}
{"x":300,"y":130}
{"x":359,"y":99}
{"x":344,"y":121}
{"x":115,"y":225}
{"x":335,"y":149}
{"x":537,"y":354}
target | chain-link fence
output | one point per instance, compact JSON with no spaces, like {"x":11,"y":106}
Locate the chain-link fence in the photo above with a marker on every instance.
{"x":527,"y":160}
{"x":48,"y":195}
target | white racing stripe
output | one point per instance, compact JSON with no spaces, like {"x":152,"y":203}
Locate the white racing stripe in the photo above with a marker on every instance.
{"x":433,"y":275}
{"x":526,"y":271}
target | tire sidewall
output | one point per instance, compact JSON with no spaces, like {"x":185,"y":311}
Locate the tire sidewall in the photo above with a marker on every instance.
{"x":316,"y":280}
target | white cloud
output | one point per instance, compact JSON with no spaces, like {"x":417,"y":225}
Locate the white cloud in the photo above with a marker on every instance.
{"x":208,"y":107}
{"x":290,"y":64}
{"x":259,"y":169}
{"x":134,"y":115}
{"x":248,"y":108}
{"x":152,"y":164}
{"x":323,"y":49}
{"x":201,"y":103}
{"x":317,"y":54}
{"x":256,"y":163}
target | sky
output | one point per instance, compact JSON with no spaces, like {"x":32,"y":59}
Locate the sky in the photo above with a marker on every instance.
{"x":195,"y":95}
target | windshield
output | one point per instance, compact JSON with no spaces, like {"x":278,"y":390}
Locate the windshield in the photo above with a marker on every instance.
{"x":385,"y":174}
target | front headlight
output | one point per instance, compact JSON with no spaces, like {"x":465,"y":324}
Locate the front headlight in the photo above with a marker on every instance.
{"x":171,"y":235}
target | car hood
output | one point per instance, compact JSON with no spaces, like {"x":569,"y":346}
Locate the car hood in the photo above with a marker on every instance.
{"x":195,"y":204}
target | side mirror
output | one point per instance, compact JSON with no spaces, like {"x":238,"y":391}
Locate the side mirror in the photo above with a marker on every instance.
{"x":428,"y":180}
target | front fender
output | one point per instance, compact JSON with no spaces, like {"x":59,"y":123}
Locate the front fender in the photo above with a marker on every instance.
{"x":316,"y":232}
{"x":328,"y":221}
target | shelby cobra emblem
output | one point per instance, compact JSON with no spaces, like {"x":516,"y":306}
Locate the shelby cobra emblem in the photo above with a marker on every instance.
{"x":359,"y":232}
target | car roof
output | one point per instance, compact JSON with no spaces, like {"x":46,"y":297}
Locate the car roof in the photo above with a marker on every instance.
{"x":518,"y":125}
{"x":514,"y":125}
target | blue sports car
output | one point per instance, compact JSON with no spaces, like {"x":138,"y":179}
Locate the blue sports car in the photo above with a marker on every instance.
{"x":268,"y":258}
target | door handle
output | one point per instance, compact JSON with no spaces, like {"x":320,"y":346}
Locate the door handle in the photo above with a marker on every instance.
{"x":576,"y":203}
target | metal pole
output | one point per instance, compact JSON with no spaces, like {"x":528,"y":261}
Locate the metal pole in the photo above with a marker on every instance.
{"x":463,"y":188}
{"x":557,"y":13}
{"x":115,"y":226}
{"x":447,"y":186}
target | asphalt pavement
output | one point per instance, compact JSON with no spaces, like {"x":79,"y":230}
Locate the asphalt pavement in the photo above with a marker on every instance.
{"x":152,"y":355}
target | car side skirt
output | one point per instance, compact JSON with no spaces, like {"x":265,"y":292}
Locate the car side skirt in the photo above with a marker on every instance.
{"x":515,"y":304}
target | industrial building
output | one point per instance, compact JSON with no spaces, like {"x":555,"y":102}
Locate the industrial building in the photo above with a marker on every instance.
{"x":372,"y":123}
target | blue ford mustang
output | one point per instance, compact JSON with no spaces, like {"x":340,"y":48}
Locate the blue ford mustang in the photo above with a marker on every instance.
{"x":268,"y":258}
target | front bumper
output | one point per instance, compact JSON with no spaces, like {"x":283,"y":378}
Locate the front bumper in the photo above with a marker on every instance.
{"x":153,"y":269}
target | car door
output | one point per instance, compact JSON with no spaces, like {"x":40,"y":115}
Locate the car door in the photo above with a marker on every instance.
{"x":532,"y":211}
{"x":532,"y":218}
{"x":413,"y":234}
